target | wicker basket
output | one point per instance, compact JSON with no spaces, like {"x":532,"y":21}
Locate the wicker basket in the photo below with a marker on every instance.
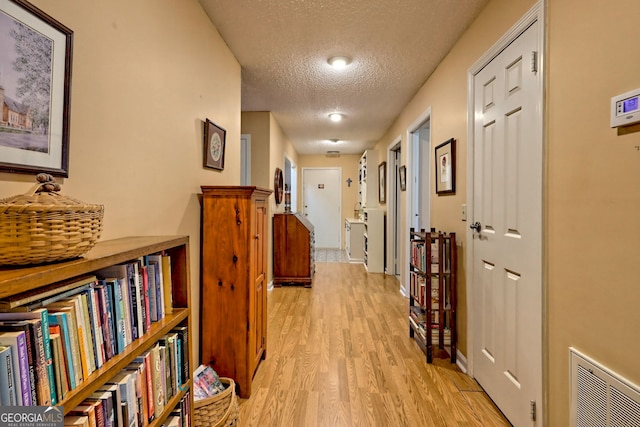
{"x":220,"y":410}
{"x":44,"y":226}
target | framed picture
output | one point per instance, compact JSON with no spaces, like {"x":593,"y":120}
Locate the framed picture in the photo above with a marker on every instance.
{"x":214,"y":141}
{"x":445,"y":158}
{"x":382,"y":182}
{"x":35,"y":83}
{"x":402,"y":174}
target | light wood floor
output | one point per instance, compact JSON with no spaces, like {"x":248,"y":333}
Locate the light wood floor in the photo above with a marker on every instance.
{"x":339,"y":354}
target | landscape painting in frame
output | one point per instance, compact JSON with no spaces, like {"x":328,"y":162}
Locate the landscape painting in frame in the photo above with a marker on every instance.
{"x":35,"y":79}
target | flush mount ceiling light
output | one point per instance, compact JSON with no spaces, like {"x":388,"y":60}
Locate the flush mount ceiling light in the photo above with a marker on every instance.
{"x":335,"y":141}
{"x":335,"y":117}
{"x":338,"y":62}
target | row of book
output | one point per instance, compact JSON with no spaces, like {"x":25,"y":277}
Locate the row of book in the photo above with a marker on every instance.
{"x":420,"y":326}
{"x":53,"y":338}
{"x":137,"y":395}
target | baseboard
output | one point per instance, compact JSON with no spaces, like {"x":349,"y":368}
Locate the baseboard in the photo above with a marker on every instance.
{"x":403,"y":292}
{"x":461,"y":361}
{"x":270,"y":286}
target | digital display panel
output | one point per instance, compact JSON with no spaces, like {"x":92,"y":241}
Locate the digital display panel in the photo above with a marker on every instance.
{"x":630,"y":104}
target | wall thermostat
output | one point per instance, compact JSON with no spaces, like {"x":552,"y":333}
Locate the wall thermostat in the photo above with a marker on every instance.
{"x":625,"y":109}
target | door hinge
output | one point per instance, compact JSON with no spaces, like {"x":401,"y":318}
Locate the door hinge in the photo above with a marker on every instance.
{"x":532,"y":407}
{"x":534,"y":61}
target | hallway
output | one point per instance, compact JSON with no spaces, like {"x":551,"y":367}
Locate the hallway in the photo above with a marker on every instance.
{"x":339,"y":354}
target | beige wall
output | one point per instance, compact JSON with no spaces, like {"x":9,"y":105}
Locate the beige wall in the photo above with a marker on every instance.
{"x":445,"y":92}
{"x":146,"y":74}
{"x":591,"y":231}
{"x":593,"y":193}
{"x":349,"y":165}
{"x":269,"y":145}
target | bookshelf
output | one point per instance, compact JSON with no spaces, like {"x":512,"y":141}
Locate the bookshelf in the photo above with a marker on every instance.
{"x":432,"y":293}
{"x":18,"y":280}
{"x":373,"y":240}
{"x":368,"y":179}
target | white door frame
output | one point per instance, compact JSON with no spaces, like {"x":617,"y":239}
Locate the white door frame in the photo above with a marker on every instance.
{"x":392,"y":198}
{"x":536,"y":13}
{"x":412,"y":200}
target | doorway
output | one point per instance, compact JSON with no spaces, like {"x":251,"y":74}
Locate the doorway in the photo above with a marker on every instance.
{"x":245,"y":159}
{"x":291,"y":182}
{"x":322,"y":204}
{"x":394,"y":221}
{"x":505,"y":246}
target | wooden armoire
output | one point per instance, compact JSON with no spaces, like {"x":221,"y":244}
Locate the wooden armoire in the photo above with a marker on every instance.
{"x":233,"y":298}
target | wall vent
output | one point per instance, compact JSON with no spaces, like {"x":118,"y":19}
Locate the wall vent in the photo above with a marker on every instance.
{"x":600,"y":397}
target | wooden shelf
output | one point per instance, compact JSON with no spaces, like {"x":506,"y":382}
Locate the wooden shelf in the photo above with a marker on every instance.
{"x":14,"y":280}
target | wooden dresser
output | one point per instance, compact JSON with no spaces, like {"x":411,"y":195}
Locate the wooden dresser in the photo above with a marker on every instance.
{"x":233,"y":299}
{"x":293,"y":249}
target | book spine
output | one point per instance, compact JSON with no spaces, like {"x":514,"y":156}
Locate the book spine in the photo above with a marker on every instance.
{"x":183,"y":336}
{"x":61,"y":320}
{"x":96,"y":326}
{"x":145,"y":296}
{"x":88,"y":331}
{"x":153,"y":308}
{"x":126,"y":308}
{"x":118,"y":308}
{"x":134,"y":300}
{"x":23,"y":362}
{"x":104,"y":299}
{"x":48,"y":354}
{"x":167,"y":284}
{"x":148,"y":366}
{"x":159,"y":287}
{"x":7,"y":379}
{"x":158,"y":395}
{"x":42,"y":376}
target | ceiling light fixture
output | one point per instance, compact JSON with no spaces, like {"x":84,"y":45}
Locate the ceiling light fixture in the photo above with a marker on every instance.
{"x":335,"y":117}
{"x":335,"y":141}
{"x":338,"y":62}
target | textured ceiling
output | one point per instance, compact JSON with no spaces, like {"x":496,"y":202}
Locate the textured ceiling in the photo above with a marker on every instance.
{"x":283,"y":47}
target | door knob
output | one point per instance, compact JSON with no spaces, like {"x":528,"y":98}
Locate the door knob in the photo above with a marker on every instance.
{"x":476,"y":226}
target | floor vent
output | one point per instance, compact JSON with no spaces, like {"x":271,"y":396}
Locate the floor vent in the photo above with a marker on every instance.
{"x":600,"y":397}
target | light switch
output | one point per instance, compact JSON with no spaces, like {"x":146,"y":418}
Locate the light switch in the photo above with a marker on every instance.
{"x":464,"y":212}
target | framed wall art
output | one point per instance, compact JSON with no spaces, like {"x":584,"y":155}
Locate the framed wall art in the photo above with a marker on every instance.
{"x":214,"y":143}
{"x":382,"y":182}
{"x":445,"y":157}
{"x":402,"y":175}
{"x":35,"y":85}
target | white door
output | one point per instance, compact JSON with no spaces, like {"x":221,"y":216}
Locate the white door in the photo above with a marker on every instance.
{"x":322,"y":196}
{"x":507,"y":214}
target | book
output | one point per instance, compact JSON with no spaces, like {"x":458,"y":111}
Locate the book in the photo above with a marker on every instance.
{"x":7,"y":378}
{"x":183,"y":338}
{"x":144,"y":280}
{"x":59,"y":364}
{"x":17,"y":342}
{"x":20,"y":325}
{"x":156,"y":261}
{"x":88,"y":411}
{"x":43,"y":315}
{"x":60,"y":319}
{"x":106,"y":317}
{"x":76,"y":421}
{"x":97,"y":409}
{"x":158,"y":395}
{"x":167,"y":284}
{"x":206,"y":382}
{"x":145,"y":358}
{"x":125,"y":381}
{"x":89,"y":331}
{"x":137,"y":369}
{"x":136,"y":300}
{"x":114,"y":403}
{"x":106,"y":400}
{"x":77,"y":347}
{"x":96,"y":326}
{"x":153,"y":294}
{"x":41,"y":293}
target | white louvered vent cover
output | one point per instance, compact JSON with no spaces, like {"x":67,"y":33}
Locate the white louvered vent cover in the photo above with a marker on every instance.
{"x":599,"y":397}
